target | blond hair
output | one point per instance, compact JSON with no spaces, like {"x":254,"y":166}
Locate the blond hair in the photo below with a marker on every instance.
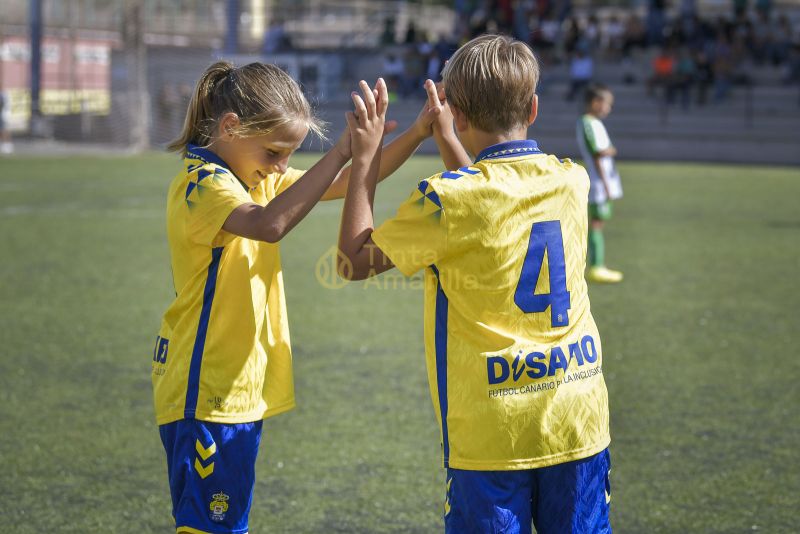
{"x":492,"y":80}
{"x":263,"y":96}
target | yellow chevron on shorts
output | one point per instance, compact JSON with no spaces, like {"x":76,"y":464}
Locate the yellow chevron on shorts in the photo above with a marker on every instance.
{"x":203,"y":471}
{"x":204,"y":453}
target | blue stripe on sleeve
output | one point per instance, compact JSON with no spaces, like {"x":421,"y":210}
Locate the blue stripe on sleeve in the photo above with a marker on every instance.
{"x":433,"y":197}
{"x":441,"y":361}
{"x":193,"y":387}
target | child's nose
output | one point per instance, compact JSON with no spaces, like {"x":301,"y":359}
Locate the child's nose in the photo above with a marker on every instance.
{"x":281,"y":166}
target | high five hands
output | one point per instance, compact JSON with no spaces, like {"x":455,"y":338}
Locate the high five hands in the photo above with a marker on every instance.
{"x":435,"y":115}
{"x":367,"y":120}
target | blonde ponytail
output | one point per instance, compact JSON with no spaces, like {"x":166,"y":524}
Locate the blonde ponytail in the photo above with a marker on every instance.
{"x":199,"y":120}
{"x":263,"y":96}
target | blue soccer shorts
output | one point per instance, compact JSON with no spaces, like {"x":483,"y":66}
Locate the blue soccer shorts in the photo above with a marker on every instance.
{"x":211,"y":469}
{"x":568,"y":498}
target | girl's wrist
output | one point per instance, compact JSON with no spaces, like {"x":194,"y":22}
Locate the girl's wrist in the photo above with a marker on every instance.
{"x":342,"y":155}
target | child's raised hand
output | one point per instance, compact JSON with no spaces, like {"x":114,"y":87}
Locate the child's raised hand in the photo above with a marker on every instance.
{"x":366,"y":123}
{"x":435,"y":113}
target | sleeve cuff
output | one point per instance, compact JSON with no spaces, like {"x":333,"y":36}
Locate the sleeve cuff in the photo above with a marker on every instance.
{"x":407,"y":270}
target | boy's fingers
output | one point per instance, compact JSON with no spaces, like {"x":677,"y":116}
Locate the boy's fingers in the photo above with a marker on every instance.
{"x":369,"y":98}
{"x":431,"y":114}
{"x":433,"y":97}
{"x":383,"y":96}
{"x":440,"y":91}
{"x":360,"y":107}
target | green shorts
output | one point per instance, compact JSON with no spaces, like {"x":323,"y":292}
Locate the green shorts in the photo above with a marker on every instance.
{"x":600,"y":212}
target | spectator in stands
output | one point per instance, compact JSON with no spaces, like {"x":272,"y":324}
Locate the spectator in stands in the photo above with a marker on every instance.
{"x":275,"y":38}
{"x":635,"y":35}
{"x":544,"y":38}
{"x":430,"y":57}
{"x":388,"y":37}
{"x":572,"y":36}
{"x":760,"y":38}
{"x":414,"y":67}
{"x":722,"y":66}
{"x":522,"y":11}
{"x":563,"y":9}
{"x":592,"y":34}
{"x":685,"y":76}
{"x":663,"y":73}
{"x":781,"y":43}
{"x":614,"y":37}
{"x":411,"y":34}
{"x":393,"y":74}
{"x":656,"y":21}
{"x":445,"y":48}
{"x":581,"y":72}
{"x":703,"y":76}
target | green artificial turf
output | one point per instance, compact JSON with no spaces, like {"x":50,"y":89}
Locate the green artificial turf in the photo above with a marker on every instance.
{"x":700,"y":345}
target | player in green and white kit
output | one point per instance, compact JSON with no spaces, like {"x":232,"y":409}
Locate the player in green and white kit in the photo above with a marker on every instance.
{"x":605,"y":185}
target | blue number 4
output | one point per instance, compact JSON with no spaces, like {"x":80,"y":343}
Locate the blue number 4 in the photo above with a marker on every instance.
{"x":545,"y":237}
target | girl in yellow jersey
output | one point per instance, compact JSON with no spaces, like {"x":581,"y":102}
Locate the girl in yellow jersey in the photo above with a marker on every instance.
{"x":222,"y":359}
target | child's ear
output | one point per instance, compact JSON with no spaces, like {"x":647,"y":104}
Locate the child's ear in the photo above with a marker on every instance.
{"x":534,"y":109}
{"x":228,"y":124}
{"x":459,"y":119}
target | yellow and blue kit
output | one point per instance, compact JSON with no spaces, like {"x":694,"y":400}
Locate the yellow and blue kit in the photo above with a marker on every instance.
{"x":222,"y":353}
{"x":513,"y":354}
{"x":514,"y":357}
{"x":222,"y":360}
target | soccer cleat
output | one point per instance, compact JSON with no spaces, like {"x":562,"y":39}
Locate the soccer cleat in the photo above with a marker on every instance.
{"x":603,"y":275}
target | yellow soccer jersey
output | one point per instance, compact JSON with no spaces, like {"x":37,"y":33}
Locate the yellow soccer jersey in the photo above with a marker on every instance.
{"x":222,"y":353}
{"x":513,"y":354}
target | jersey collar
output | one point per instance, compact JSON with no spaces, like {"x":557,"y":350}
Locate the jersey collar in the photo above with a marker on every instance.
{"x":206,"y":155}
{"x":509,"y":149}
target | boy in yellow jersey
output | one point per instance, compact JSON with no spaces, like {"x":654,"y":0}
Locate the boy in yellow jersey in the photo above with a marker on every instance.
{"x":513,"y":354}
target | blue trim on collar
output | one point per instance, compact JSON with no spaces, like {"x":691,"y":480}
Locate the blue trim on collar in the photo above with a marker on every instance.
{"x":206,"y":155}
{"x":509,"y":149}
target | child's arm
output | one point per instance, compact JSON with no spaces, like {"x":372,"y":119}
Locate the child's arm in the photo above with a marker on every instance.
{"x":359,"y":257}
{"x":434,"y":118}
{"x":271,"y":222}
{"x":602,"y":173}
{"x":453,"y":154}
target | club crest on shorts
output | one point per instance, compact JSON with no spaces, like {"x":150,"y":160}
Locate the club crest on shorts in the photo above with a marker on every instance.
{"x":218,"y":506}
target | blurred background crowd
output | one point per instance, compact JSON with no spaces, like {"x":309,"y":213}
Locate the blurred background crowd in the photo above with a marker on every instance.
{"x":120,"y":72}
{"x":672,"y":49}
